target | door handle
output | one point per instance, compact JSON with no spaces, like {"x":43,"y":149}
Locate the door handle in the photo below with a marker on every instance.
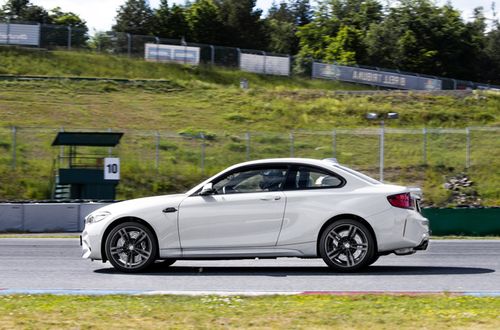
{"x":270,"y":198}
{"x":170,"y":210}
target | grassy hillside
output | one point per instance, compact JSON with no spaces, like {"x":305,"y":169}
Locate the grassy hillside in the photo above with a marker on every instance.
{"x":193,"y":100}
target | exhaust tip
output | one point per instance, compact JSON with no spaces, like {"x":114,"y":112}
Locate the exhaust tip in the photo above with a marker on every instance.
{"x":404,"y":252}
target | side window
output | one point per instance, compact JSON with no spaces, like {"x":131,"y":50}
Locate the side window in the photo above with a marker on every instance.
{"x":251,"y":180}
{"x":311,"y":178}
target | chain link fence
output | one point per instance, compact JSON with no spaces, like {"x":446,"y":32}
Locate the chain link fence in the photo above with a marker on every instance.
{"x":29,"y":148}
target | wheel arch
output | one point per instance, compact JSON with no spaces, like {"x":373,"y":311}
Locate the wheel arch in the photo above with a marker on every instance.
{"x":346,"y":216}
{"x":120,"y":221}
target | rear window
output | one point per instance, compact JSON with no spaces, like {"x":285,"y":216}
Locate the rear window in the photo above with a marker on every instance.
{"x":359,"y":175}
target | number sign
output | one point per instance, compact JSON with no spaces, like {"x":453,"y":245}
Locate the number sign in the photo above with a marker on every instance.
{"x":111,"y":168}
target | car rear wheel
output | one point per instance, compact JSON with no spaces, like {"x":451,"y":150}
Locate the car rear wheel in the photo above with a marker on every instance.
{"x":131,"y":247}
{"x":347,"y":245}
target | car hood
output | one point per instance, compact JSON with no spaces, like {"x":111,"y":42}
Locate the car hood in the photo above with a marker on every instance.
{"x":132,"y":205}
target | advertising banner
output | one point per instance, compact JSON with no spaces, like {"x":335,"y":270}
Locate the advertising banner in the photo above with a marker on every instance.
{"x":19,"y":34}
{"x":374,"y":77}
{"x":171,"y":53}
{"x":275,"y":65}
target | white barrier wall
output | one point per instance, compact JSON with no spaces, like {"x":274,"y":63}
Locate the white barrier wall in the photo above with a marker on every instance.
{"x":171,"y":53}
{"x":20,"y":34}
{"x":275,"y":65}
{"x":45,"y":217}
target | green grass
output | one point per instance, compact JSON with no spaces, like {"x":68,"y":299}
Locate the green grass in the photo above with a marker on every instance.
{"x":15,"y":61}
{"x":209,"y":100}
{"x":275,"y":312}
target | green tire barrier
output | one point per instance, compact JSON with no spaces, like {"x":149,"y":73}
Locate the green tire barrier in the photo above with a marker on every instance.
{"x":463,"y":221}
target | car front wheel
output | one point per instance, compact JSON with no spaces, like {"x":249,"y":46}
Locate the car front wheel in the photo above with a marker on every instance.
{"x":131,"y":247}
{"x":347,"y":245}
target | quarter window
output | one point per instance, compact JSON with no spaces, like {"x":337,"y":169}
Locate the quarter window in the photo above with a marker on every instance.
{"x":252,"y":180}
{"x":311,"y":178}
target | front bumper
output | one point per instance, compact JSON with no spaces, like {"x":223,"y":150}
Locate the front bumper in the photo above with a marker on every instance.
{"x":85,"y":244}
{"x":91,"y":240}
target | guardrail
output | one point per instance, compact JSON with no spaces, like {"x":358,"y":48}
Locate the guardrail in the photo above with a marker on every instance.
{"x":464,"y":221}
{"x":45,"y":217}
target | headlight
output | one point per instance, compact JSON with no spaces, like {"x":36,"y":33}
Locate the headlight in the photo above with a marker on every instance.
{"x":96,"y":217}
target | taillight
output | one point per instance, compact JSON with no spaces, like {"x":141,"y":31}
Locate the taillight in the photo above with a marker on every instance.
{"x":401,"y":200}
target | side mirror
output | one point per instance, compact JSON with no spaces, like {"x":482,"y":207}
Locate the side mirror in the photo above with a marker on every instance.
{"x":207,"y":189}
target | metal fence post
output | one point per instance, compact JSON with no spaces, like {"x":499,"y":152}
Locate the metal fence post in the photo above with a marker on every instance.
{"x":129,"y":44}
{"x":14,"y":142}
{"x":8,"y":30}
{"x":157,"y":151}
{"x":61,"y":150}
{"x":424,"y":151}
{"x":265,"y":62}
{"x":157,"y":49}
{"x":110,"y":149}
{"x":248,"y":146}
{"x":202,"y":153}
{"x":381,"y":151}
{"x":212,"y":54}
{"x":467,"y":147}
{"x":334,"y":143}
{"x":292,"y":142}
{"x":239,"y":56}
{"x":69,"y":37}
{"x":40,"y":35}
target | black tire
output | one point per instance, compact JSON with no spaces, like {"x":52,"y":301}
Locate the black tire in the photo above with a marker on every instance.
{"x":374,"y":259}
{"x":347,"y":245}
{"x":131,"y":247}
{"x":166,"y":262}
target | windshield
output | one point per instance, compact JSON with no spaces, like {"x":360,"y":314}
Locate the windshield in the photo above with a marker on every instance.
{"x":358,"y":174}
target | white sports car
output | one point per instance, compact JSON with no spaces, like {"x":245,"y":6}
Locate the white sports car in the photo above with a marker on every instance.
{"x":290,"y":207}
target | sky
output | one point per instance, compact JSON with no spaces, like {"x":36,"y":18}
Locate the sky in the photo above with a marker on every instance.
{"x":100,"y":14}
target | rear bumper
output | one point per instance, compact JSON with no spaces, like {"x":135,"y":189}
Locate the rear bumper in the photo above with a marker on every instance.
{"x":398,"y":229}
{"x":416,"y":230}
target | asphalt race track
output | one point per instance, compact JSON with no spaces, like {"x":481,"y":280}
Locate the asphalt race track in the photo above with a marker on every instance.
{"x":55,"y":264}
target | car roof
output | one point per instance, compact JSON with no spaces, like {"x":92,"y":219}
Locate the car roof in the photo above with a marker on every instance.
{"x":291,"y":160}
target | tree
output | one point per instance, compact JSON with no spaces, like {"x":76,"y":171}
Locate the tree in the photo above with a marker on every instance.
{"x":23,"y":10}
{"x":419,"y":36}
{"x":135,"y":17}
{"x":178,"y":23}
{"x":204,"y":22}
{"x":282,"y":23}
{"x":345,"y":46}
{"x":161,"y":18}
{"x":243,"y":26}
{"x":492,"y":51}
{"x":78,"y":26}
{"x":302,"y":12}
{"x":337,"y":31}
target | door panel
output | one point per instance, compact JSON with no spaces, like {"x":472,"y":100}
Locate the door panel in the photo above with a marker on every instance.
{"x":232,"y":220}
